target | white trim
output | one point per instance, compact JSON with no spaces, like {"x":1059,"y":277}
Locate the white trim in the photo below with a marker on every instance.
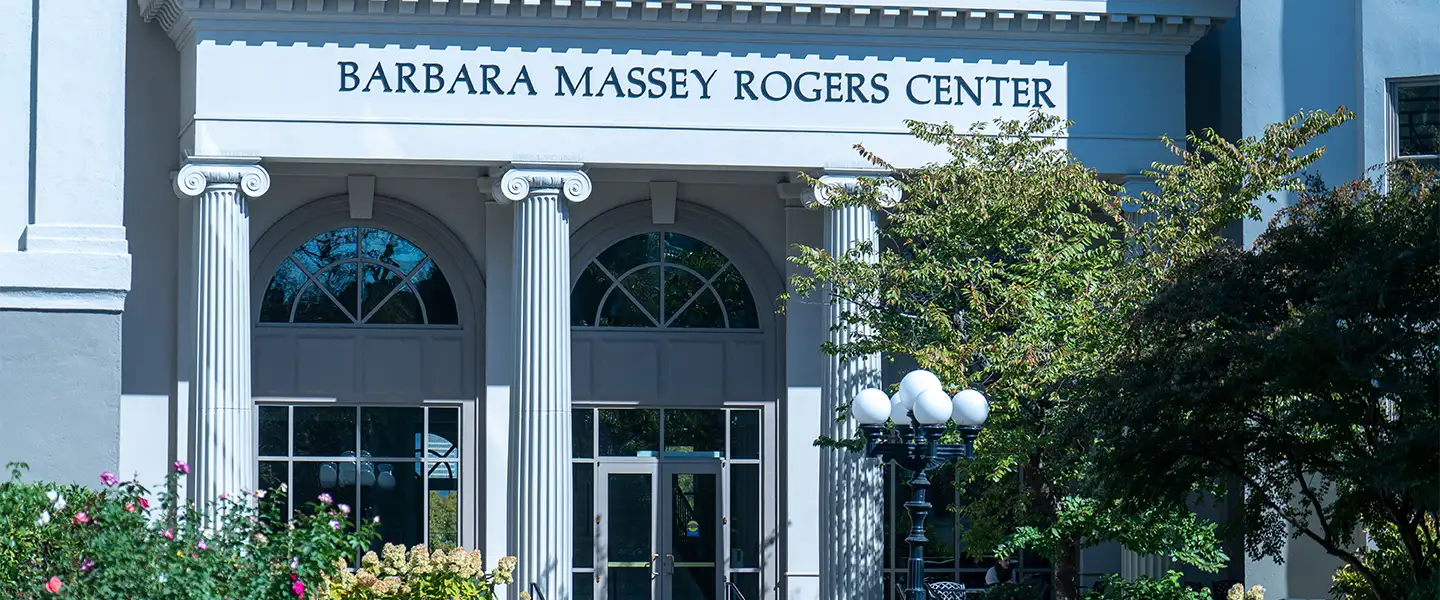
{"x":64,"y":281}
{"x":1392,"y":106}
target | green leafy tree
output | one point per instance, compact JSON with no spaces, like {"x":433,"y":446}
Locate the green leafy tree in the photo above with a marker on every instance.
{"x":1304,"y":368}
{"x":1010,"y":268}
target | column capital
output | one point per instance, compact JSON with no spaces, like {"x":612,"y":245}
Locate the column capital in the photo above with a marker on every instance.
{"x":201,"y":173}
{"x":522,"y":180}
{"x":830,"y":183}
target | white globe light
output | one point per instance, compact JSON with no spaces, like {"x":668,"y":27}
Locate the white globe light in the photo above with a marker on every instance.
{"x":932,"y":406}
{"x":328,"y":475}
{"x":970,"y":408}
{"x":871,"y":407}
{"x":915,"y":382}
{"x":899,"y":412}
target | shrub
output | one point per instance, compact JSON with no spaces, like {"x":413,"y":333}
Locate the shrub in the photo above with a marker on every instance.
{"x":1390,"y":562}
{"x":1012,"y":591}
{"x":418,"y":575}
{"x":122,"y":541}
{"x":1168,"y":587}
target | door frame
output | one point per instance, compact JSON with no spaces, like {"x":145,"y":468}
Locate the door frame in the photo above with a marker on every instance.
{"x":667,"y":522}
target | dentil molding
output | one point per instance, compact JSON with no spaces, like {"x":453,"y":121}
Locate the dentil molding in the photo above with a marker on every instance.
{"x":521,"y":181}
{"x":202,"y":173}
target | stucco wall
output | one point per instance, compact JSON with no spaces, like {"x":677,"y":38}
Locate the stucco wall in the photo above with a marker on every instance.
{"x":60,"y":393}
{"x":1397,"y":40}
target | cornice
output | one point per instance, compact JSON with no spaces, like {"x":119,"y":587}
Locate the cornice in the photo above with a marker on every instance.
{"x":1175,"y":21}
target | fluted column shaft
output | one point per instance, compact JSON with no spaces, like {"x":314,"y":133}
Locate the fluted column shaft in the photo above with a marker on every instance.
{"x":223,"y":432}
{"x":540,"y":397}
{"x":851,"y":544}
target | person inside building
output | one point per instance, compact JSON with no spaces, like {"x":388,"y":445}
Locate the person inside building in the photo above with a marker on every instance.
{"x":1004,"y":571}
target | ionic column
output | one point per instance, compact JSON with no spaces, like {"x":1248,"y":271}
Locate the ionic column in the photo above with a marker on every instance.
{"x":851,"y":543}
{"x":543,"y":500}
{"x":222,"y":418}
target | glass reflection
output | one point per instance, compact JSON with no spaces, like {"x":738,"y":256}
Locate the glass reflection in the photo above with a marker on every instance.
{"x":274,"y":430}
{"x":629,"y":432}
{"x":391,"y":431}
{"x":695,"y":431}
{"x":324,"y":430}
{"x":745,"y":434}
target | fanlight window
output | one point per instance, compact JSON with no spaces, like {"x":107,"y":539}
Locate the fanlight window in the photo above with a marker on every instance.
{"x":662,"y":279}
{"x":359,"y":275}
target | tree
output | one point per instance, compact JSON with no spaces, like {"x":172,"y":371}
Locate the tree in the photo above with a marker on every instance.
{"x":1304,"y":367}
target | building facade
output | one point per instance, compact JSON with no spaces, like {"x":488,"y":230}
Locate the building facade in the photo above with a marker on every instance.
{"x":507,"y":274}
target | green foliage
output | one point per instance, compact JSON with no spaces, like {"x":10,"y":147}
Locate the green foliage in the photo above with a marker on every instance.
{"x":1147,"y":530}
{"x":1009,"y":591}
{"x":1169,"y":587}
{"x":419,"y":575}
{"x":1305,"y":368}
{"x":122,"y":541}
{"x":1390,"y":563}
{"x":444,"y":520}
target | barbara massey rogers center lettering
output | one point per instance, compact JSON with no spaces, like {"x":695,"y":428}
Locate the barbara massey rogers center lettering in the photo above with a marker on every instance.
{"x":672,"y":83}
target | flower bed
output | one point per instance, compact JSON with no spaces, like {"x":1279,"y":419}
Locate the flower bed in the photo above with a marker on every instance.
{"x":123,"y":541}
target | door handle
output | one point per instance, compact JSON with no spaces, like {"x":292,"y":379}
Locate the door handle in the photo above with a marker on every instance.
{"x":669,"y":564}
{"x":653,"y":572}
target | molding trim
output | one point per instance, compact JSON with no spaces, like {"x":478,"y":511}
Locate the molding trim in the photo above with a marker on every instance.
{"x":1182,"y":21}
{"x":64,"y":281}
{"x":202,"y":173}
{"x":522,"y":180}
{"x":830,"y":182}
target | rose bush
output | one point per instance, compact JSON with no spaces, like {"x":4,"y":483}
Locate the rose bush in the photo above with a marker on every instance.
{"x":120,"y":540}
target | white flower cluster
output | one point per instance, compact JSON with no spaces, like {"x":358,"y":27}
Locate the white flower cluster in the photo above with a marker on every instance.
{"x":57,"y":504}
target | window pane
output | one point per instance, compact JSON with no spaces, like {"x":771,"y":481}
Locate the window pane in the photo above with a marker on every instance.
{"x":693,"y":253}
{"x":393,"y":432}
{"x":644,"y":285}
{"x":315,"y":307}
{"x":744,"y":434}
{"x":337,"y":478}
{"x":736,"y":295}
{"x":582,"y":435}
{"x":745,"y":495}
{"x":326,"y":248}
{"x":391,"y":249}
{"x":284,"y":287}
{"x":629,"y":432}
{"x":584,"y":586}
{"x":695,"y":431}
{"x":1417,"y":114}
{"x":748,"y":584}
{"x":273,"y":473}
{"x":444,"y":433}
{"x":434,"y":291}
{"x":397,"y":496}
{"x":619,"y":311}
{"x":444,"y":520}
{"x":342,"y":282}
{"x":584,"y":521}
{"x":585,"y":299}
{"x":631,"y":252}
{"x":274,"y":431}
{"x":378,"y":283}
{"x":324,"y":430}
{"x":703,"y":313}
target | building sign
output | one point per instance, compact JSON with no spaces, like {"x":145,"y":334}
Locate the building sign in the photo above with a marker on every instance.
{"x":521,"y":85}
{"x":742,"y":85}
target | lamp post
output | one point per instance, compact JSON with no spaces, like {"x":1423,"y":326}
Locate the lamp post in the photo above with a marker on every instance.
{"x":920,"y":410}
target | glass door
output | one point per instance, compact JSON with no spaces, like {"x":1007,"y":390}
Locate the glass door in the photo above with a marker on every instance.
{"x":626,"y":519}
{"x":692,"y":531}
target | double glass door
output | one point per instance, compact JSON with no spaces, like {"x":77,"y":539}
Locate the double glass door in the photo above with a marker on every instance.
{"x":659,"y":530}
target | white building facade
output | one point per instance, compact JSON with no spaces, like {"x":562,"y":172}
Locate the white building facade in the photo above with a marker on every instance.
{"x":506,"y":273}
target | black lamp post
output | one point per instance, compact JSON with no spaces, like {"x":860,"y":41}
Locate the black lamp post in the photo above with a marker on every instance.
{"x":920,"y":411}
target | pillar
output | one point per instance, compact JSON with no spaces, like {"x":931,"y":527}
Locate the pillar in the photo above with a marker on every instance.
{"x":222,"y":428}
{"x":851,"y":486}
{"x":543,"y":495}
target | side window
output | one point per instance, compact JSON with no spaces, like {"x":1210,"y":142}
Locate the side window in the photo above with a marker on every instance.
{"x":1416,"y":118}
{"x":359,"y":276}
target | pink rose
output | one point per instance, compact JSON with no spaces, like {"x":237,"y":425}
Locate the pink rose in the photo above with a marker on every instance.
{"x":53,"y":586}
{"x":168,"y":534}
{"x":129,"y":507}
{"x":298,"y":587}
{"x":326,"y":499}
{"x":334,"y":524}
{"x":145,"y":504}
{"x":182,"y":468}
{"x":108,"y":479}
{"x":80,"y":518}
{"x":202,"y":545}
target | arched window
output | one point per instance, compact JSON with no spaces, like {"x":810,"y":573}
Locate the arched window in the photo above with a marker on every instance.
{"x":662,"y":279}
{"x":359,"y":275}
